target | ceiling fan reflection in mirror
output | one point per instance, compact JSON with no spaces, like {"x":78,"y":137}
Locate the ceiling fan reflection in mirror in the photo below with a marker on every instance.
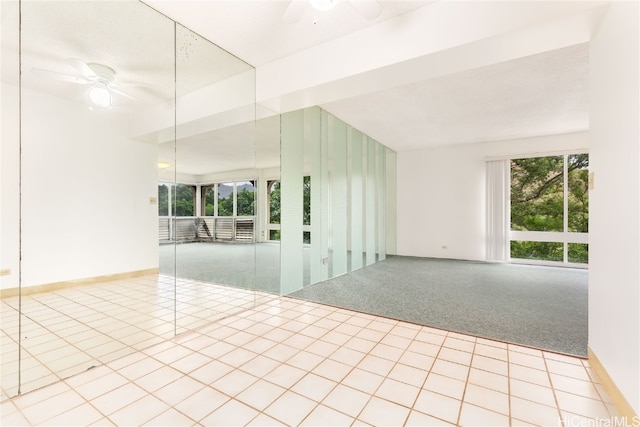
{"x":369,"y":9}
{"x":99,"y":77}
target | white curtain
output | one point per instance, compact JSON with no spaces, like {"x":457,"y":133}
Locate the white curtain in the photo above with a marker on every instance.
{"x":498,"y":221}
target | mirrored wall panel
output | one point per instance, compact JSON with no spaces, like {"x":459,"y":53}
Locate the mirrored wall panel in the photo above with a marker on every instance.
{"x":128,"y":145}
{"x":216,"y":181}
{"x":89,"y":72}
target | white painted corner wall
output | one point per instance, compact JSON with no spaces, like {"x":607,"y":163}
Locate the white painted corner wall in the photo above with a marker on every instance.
{"x":614,"y":217}
{"x":84,"y":188}
{"x":442,"y":197}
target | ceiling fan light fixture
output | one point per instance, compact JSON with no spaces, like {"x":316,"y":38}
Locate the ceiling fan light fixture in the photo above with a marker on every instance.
{"x":100,"y":96}
{"x":323,"y":5}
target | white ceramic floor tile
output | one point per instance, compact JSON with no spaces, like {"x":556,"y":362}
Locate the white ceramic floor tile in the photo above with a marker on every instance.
{"x":580,"y":405}
{"x":260,"y":394}
{"x":534,"y":413}
{"x":487,"y":399}
{"x":347,"y":400}
{"x":139,"y":412}
{"x":408,"y":374}
{"x":291,"y":408}
{"x":418,"y":419}
{"x":489,"y":380}
{"x":362,"y":380}
{"x":475,"y":416}
{"x":300,"y":363}
{"x":533,"y":392}
{"x":323,"y":416}
{"x":202,"y":403}
{"x":450,"y":369}
{"x":170,"y":417}
{"x":398,"y":392}
{"x":381,"y":412}
{"x":445,"y":385}
{"x":232,"y":413}
{"x":314,"y":387}
{"x":438,"y":406}
{"x":285,"y":376}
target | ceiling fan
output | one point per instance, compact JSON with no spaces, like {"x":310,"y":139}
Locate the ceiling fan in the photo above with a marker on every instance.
{"x":99,"y":77}
{"x":369,"y":9}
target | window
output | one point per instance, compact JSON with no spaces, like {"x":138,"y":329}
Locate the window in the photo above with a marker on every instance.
{"x":184,"y":200}
{"x":274,"y":209}
{"x":550,"y":208}
{"x":208,"y":198}
{"x":225,"y":199}
{"x":163,"y":199}
{"x":306,"y":209}
{"x":273,"y":225}
{"x":245,"y":195}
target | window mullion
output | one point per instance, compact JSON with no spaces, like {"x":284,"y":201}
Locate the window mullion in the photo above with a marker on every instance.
{"x":565,"y":213}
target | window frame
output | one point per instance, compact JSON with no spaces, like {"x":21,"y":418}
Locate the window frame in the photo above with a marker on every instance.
{"x":565,"y":237}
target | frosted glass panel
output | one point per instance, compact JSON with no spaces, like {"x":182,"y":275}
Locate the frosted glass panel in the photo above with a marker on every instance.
{"x":291,"y":211}
{"x":319,"y":195}
{"x":391,"y":201}
{"x":357,"y":198}
{"x":380,"y":198}
{"x":371,"y":202}
{"x":338,"y":140}
{"x":348,"y":207}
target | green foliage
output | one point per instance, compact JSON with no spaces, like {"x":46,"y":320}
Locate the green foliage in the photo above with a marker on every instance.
{"x":225,"y":206}
{"x":578,"y":252}
{"x":184,"y":200}
{"x":548,"y":251}
{"x":578,"y":193}
{"x":274,"y":205}
{"x":537,"y":204}
{"x":306,"y":200}
{"x":163,"y":200}
{"x":536,"y":194}
{"x":209,"y":200}
{"x":246,"y":202}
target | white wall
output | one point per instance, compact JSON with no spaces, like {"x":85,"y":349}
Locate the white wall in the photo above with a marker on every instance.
{"x":441,"y":194}
{"x":614,"y":271}
{"x":85,"y":194}
{"x":9,"y":190}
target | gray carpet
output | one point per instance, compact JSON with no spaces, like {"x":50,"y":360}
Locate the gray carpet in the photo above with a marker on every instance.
{"x":231,"y":264}
{"x":541,"y":307}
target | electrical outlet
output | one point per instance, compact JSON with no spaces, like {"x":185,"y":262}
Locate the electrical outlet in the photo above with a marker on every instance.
{"x":325,"y":261}
{"x":445,"y":247}
{"x":5,"y":272}
{"x":153,"y":200}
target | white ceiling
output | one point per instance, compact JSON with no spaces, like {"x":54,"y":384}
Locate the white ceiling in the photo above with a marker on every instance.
{"x":257,"y":31}
{"x":534,"y":95}
{"x":527,"y":95}
{"x":542,"y":94}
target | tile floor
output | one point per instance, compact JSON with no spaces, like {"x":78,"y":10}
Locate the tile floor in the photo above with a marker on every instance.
{"x":67,"y":331}
{"x":291,"y":362}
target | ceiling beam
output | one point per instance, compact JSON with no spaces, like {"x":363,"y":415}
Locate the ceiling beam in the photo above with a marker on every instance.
{"x":432,"y":41}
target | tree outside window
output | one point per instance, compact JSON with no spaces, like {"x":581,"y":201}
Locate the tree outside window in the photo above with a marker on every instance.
{"x":538,"y":203}
{"x":184,"y":200}
{"x":225,"y":199}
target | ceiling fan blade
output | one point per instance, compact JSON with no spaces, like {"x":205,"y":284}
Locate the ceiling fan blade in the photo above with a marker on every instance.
{"x":122,"y":94}
{"x":82,"y":68}
{"x":369,"y":9}
{"x":60,"y":76}
{"x":294,"y":11}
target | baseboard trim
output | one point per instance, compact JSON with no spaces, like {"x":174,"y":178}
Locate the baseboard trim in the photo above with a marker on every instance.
{"x":617,"y":398}
{"x":48,"y":287}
